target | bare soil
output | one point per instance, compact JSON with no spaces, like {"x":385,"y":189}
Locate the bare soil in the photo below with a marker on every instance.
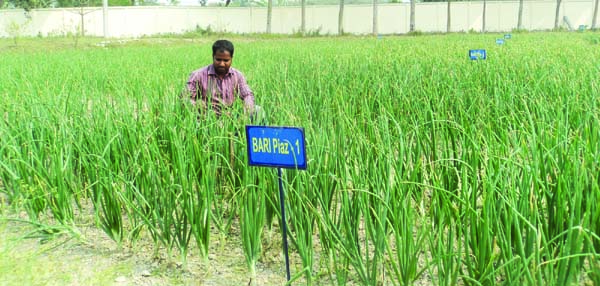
{"x":84,"y":255}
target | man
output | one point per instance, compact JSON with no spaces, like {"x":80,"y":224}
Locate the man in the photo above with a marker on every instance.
{"x":219,"y":84}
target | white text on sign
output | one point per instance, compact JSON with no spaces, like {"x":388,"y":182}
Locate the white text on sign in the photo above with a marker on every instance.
{"x":273,"y":146}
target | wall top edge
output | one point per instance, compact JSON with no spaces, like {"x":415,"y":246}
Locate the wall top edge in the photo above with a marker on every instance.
{"x":166,"y":7}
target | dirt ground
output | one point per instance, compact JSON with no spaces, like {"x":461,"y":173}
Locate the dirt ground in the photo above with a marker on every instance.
{"x":83,"y":254}
{"x":86,"y":256}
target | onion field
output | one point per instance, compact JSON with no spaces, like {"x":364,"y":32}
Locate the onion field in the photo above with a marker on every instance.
{"x":423,"y":165}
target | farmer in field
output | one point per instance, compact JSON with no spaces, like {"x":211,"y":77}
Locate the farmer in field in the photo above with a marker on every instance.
{"x":218,"y":85}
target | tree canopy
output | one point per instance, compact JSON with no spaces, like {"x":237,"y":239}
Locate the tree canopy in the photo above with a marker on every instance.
{"x":30,"y":4}
{"x":33,"y":4}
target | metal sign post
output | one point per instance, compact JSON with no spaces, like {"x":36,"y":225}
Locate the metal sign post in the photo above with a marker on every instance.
{"x":279,"y":147}
{"x":284,"y":225}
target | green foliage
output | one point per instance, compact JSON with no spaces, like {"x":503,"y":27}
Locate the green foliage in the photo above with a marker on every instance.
{"x":33,"y":4}
{"x":595,"y":40}
{"x":16,"y":29}
{"x":421,"y":163}
{"x":27,"y":5}
{"x":199,"y":32}
{"x":97,"y":3}
{"x":415,"y":33}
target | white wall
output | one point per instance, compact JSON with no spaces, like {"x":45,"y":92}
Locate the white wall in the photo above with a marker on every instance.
{"x":393,"y":18}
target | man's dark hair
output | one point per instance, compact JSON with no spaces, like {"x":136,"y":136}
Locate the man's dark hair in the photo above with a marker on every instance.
{"x":222,"y":46}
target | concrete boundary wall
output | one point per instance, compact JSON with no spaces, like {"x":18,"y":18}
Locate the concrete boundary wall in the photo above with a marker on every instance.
{"x":393,"y":18}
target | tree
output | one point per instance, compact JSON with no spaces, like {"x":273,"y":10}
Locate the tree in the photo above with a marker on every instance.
{"x":557,"y":14}
{"x":30,"y":4}
{"x":82,"y":12}
{"x":520,"y":21}
{"x":483,"y":23}
{"x":448,"y":22}
{"x":412,"y":15}
{"x":96,"y":3}
{"x":595,"y":15}
{"x":269,"y":15}
{"x":80,"y":4}
{"x":303,"y":22}
{"x":16,"y":28}
{"x":341,"y":19}
{"x":375,"y":6}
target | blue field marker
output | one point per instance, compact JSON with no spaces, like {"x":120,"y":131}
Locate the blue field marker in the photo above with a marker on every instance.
{"x":477,"y":55}
{"x":278,"y":147}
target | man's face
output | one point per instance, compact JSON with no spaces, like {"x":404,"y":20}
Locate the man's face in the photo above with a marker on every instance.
{"x":222,"y":62}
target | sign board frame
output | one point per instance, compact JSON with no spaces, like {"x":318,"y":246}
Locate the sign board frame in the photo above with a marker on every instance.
{"x":477,"y":54}
{"x":276,"y":146}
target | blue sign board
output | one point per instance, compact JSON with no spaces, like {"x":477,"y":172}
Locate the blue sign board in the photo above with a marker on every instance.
{"x":507,"y":36}
{"x":500,"y":41}
{"x":282,"y":147}
{"x":477,"y":54}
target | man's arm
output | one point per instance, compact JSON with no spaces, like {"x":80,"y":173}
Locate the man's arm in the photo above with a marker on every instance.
{"x":194,"y":89}
{"x":246,"y":94}
{"x":193,"y":86}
